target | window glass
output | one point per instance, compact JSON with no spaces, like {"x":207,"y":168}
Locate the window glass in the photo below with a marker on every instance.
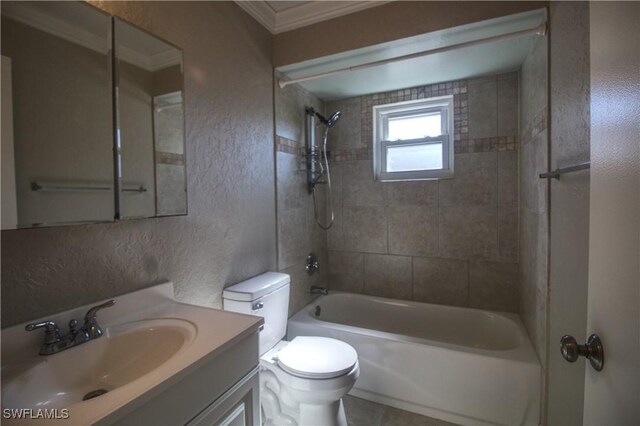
{"x":409,"y":158}
{"x":415,"y":126}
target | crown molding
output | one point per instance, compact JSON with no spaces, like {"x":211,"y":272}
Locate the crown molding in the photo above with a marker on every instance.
{"x":303,"y":15}
{"x":261,"y":12}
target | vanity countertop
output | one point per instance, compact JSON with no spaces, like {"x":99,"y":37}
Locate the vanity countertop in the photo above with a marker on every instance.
{"x":207,"y":334}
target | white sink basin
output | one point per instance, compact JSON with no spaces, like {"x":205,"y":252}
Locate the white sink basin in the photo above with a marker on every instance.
{"x":151,"y":343}
{"x":124,"y":353}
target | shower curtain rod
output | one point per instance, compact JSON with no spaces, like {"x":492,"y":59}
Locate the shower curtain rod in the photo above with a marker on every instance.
{"x":539,"y":30}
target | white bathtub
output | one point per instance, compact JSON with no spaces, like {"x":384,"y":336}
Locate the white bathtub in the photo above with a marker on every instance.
{"x":461,"y":365}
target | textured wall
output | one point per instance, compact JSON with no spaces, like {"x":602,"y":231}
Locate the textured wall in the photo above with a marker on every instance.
{"x":569,"y":216}
{"x":534,"y":192}
{"x":298,"y":233}
{"x":452,"y":241}
{"x":392,"y":21}
{"x":229,"y":234}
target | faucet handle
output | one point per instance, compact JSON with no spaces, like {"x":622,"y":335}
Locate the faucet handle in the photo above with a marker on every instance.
{"x":51,"y":331}
{"x":91,"y":313}
{"x":91,"y":326}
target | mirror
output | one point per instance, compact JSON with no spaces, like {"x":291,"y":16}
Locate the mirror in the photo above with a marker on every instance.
{"x":57,"y":133}
{"x":58,"y":118}
{"x":150,"y":113}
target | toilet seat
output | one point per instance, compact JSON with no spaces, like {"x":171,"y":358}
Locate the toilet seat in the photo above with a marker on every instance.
{"x":317,"y":358}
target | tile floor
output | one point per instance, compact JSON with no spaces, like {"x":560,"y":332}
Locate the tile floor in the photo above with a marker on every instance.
{"x":361,"y":412}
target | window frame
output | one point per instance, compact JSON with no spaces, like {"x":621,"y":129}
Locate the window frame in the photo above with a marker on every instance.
{"x":381,"y":116}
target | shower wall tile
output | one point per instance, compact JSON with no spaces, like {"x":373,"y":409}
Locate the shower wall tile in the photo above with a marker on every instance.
{"x":441,"y":281}
{"x":292,"y":236}
{"x":387,"y":276}
{"x":508,"y":232}
{"x":468,"y":232}
{"x":291,"y":182}
{"x":436,"y":227}
{"x":415,"y":193}
{"x":533,"y":161}
{"x":508,"y":104}
{"x":346,"y":271}
{"x":534,"y":226}
{"x":413,"y":230}
{"x":347,"y":132}
{"x":358,"y":186}
{"x":474,"y":183}
{"x":364,"y":229}
{"x":493,"y":286}
{"x":483,"y":103}
{"x":508,"y":180}
{"x":297,"y":231}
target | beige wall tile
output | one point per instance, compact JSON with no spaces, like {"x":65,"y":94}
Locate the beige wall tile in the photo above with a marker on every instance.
{"x":335,"y":234}
{"x":413,"y":230}
{"x":508,"y":180}
{"x":533,"y":83}
{"x":508,"y":104}
{"x":508,"y":235}
{"x":468,"y":232}
{"x":293,"y":238}
{"x":483,"y":103}
{"x":358,"y":186}
{"x":442,"y":281}
{"x":292,"y":183}
{"x":364,"y":229}
{"x":421,"y":193}
{"x":290,"y":113}
{"x":493,"y":285}
{"x":387,"y":276}
{"x":533,"y":161}
{"x":299,"y":293}
{"x":345,"y":135}
{"x":474,"y":182}
{"x":346,"y":271}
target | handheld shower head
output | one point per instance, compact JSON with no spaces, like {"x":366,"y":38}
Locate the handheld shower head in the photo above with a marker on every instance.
{"x":333,"y":119}
{"x":329,"y":122}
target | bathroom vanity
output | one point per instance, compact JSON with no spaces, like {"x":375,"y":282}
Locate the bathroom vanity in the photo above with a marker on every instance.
{"x":158,"y":362}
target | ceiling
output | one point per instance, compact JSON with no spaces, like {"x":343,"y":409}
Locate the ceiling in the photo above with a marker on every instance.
{"x":482,"y":59}
{"x":281,"y":16}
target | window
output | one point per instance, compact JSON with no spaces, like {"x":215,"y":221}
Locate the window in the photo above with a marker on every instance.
{"x":413,"y":140}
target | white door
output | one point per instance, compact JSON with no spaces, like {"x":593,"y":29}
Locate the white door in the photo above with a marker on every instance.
{"x":612,"y":396}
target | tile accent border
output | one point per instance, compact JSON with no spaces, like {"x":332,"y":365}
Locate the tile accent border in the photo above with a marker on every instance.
{"x":462,"y":143}
{"x":169,"y":158}
{"x":289,"y":146}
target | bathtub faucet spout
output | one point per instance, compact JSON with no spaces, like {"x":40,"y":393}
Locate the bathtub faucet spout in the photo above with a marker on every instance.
{"x":319,"y":290}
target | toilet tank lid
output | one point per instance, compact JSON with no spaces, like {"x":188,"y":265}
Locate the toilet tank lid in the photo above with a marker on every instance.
{"x":256,"y":287}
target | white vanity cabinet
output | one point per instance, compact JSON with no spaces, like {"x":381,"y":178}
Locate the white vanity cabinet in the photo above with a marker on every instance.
{"x":221,"y":391}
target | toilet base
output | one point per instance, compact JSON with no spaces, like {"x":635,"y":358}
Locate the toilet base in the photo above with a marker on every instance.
{"x":280,"y":408}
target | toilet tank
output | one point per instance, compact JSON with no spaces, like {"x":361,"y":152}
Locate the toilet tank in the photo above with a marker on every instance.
{"x":266,"y":295}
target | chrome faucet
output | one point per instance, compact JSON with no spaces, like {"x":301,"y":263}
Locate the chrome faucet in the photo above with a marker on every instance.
{"x":319,"y":290}
{"x":54,"y":342}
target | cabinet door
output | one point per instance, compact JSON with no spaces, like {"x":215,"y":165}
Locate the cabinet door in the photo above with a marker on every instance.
{"x":239,"y":406}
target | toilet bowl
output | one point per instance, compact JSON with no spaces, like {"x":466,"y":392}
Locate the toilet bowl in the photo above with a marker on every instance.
{"x":302,"y":382}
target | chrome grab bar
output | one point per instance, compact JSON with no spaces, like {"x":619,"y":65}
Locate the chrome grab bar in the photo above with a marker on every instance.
{"x":561,"y":171}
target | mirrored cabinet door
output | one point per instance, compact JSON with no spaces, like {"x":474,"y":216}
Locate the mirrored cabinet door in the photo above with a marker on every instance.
{"x":150,"y":123}
{"x":57,"y":115}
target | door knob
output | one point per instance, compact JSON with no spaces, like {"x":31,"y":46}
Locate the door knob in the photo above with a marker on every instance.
{"x":593,"y":350}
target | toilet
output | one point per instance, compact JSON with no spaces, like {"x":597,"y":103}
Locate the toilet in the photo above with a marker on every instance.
{"x":302,"y":382}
